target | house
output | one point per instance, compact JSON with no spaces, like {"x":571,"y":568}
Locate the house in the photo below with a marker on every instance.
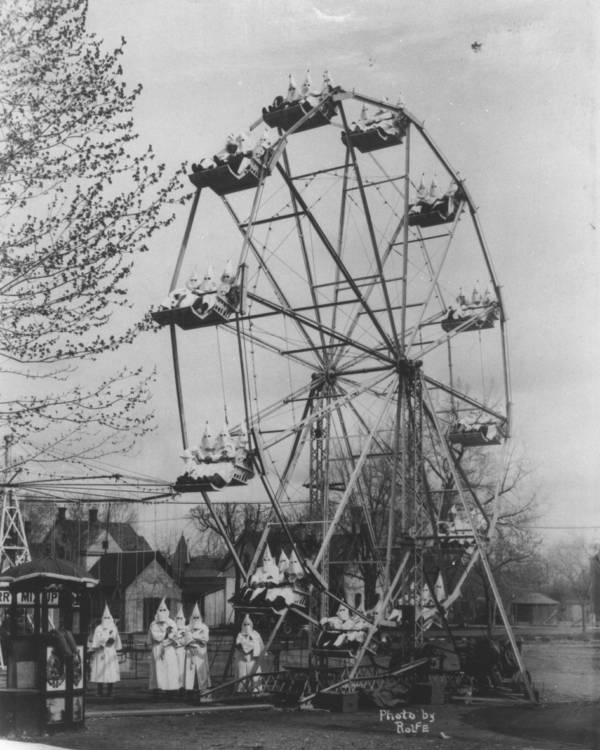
{"x":84,"y":540}
{"x":206,"y":579}
{"x":133,"y":584}
{"x":534,"y":609}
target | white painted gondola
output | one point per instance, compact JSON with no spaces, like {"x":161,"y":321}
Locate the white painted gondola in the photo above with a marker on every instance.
{"x":228,"y":176}
{"x":378,"y":135}
{"x":215,"y":464}
{"x":426,"y":213}
{"x":472,"y":318}
{"x":476,"y":434}
{"x":285,"y":115}
{"x":197,"y":310}
{"x":275,"y":587}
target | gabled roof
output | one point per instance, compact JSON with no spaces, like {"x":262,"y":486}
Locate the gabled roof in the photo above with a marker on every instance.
{"x":117,"y":569}
{"x":123,"y":534}
{"x":534,"y":598}
{"x":72,"y":532}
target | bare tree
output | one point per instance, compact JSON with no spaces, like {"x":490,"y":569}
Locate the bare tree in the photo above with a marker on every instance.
{"x":569,"y":572}
{"x":79,"y":199}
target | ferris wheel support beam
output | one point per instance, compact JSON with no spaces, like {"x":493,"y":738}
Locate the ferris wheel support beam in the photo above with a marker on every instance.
{"x":369,"y":220}
{"x":361,"y":489}
{"x":340,"y":238}
{"x":405,"y":241}
{"x":391,"y":509}
{"x":336,"y":259}
{"x":224,"y":534}
{"x":178,"y":388}
{"x":482,"y":553}
{"x":354,"y":476}
{"x":186,"y":238}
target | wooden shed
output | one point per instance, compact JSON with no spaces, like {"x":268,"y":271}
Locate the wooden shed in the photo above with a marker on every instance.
{"x":534,"y":609}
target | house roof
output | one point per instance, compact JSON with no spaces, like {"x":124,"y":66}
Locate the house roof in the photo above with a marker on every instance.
{"x":83,"y":534}
{"x":118,"y":569}
{"x":534,"y":598}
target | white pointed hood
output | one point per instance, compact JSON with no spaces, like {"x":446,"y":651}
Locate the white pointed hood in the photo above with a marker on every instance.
{"x":307,"y":83}
{"x":283,"y":562}
{"x":247,"y":625}
{"x":294,"y":570}
{"x":207,"y":440}
{"x":107,"y":618}
{"x":196,"y":617}
{"x":227,"y":275}
{"x":162,"y":613}
{"x":180,"y":617}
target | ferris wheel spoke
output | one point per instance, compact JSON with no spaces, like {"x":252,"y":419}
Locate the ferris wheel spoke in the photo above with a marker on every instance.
{"x":289,"y":312}
{"x":369,"y":221}
{"x":336,"y":258}
{"x":303,"y":248}
{"x":325,"y":410}
{"x":456,"y":394}
{"x":246,"y":232}
{"x":434,"y":287}
{"x":254,"y":338}
{"x":372,"y":286}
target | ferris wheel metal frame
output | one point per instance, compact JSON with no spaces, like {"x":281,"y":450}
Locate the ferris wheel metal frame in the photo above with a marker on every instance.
{"x":391,"y":350}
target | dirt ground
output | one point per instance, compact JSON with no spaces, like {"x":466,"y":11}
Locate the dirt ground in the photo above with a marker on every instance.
{"x":550,"y":727}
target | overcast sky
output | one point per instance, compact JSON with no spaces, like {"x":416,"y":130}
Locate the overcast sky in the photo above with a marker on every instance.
{"x":518,"y":119}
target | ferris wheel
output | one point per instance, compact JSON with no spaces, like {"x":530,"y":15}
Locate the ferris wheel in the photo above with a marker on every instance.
{"x":360,"y":306}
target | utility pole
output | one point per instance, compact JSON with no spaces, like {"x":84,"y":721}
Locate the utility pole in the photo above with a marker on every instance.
{"x":13,"y":542}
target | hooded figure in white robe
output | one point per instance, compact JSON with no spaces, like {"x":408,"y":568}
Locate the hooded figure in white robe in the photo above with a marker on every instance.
{"x":164,"y":673}
{"x":197,"y":675}
{"x":103,"y":646}
{"x":249,"y":647}
{"x":180,"y":633}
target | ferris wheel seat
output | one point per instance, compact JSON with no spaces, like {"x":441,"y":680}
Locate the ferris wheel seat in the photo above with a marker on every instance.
{"x":223,"y":180}
{"x":475,"y":322}
{"x":211,"y":476}
{"x":373,"y":139}
{"x":205,"y":310}
{"x":476,"y":435}
{"x":425,"y":214}
{"x":271,"y":597}
{"x":287,"y":115}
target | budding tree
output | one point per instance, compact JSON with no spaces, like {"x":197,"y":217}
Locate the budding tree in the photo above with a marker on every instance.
{"x":79,"y":200}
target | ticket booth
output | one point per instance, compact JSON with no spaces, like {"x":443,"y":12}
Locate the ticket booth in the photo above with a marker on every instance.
{"x":45,"y":646}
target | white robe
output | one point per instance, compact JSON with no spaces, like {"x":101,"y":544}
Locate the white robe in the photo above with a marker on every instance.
{"x":196,"y":657}
{"x":180,"y":653}
{"x":104,"y":662}
{"x":249,"y":647}
{"x":165,"y":675}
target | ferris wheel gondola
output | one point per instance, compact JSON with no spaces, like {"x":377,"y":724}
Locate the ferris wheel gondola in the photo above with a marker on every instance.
{"x":346,"y":271}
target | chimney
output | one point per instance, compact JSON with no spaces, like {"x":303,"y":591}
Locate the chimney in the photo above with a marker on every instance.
{"x":62,"y":514}
{"x":93,"y":515}
{"x":27,"y":528}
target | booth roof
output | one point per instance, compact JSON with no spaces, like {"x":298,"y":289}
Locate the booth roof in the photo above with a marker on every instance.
{"x":50,"y":569}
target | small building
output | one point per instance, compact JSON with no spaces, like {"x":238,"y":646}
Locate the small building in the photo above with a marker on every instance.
{"x":83,"y":540}
{"x":534,"y":609}
{"x":206,"y":579}
{"x":133,"y":584}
